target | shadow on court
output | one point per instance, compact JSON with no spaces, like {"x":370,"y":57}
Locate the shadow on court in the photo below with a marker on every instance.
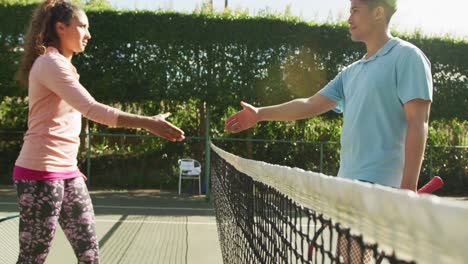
{"x":141,"y":226}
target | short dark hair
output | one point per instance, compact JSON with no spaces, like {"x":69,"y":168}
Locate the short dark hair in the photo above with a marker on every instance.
{"x":390,"y":6}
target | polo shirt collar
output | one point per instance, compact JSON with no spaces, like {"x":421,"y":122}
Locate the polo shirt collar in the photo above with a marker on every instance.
{"x":382,"y":51}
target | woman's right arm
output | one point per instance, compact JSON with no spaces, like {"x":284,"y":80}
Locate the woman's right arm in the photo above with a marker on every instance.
{"x":154,"y":124}
{"x":58,"y":76}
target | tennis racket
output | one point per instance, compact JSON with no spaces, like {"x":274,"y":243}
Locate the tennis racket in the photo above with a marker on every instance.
{"x":433,"y":185}
{"x":8,"y":218}
{"x":9,"y":239}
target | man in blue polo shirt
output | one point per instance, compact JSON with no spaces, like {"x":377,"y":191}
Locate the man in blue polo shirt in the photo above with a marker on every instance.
{"x":385,"y":99}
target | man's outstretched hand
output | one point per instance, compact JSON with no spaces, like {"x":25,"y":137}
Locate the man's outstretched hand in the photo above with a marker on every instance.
{"x":242,"y":120}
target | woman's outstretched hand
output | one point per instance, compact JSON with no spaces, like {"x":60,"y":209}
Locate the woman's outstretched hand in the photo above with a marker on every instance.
{"x":242,"y":120}
{"x":159,"y":126}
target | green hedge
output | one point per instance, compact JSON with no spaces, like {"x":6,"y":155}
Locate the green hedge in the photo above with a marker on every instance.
{"x":223,"y":58}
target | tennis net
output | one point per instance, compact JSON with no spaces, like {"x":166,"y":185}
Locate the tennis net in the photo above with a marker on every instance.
{"x":9,"y":239}
{"x":274,"y":214}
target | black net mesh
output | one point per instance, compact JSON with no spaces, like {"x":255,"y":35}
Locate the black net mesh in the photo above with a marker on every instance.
{"x":9,"y":237}
{"x":258,"y":224}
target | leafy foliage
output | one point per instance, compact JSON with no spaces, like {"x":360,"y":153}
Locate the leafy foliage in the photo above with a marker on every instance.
{"x":222,"y":58}
{"x":97,"y":4}
{"x":13,"y":113}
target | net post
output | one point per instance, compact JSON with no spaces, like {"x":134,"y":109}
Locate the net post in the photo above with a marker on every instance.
{"x":430,"y":161}
{"x":207,"y":155}
{"x":321,"y":157}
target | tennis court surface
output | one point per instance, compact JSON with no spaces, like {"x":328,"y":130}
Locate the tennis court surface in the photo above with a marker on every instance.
{"x":140,"y":226}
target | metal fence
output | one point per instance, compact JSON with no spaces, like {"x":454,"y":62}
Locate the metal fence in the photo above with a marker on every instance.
{"x":433,"y":162}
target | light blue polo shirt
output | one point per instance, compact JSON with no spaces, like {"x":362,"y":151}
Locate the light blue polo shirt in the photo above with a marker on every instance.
{"x":371,"y":93}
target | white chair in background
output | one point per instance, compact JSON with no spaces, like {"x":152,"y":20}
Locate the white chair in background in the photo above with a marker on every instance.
{"x":189,"y":169}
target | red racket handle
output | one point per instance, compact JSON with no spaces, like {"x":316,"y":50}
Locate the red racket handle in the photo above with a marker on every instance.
{"x":433,"y":185}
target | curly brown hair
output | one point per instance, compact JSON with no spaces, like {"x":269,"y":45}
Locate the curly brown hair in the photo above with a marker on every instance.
{"x":41,"y":32}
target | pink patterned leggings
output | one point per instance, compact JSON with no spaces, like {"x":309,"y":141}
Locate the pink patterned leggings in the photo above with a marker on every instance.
{"x":44,"y":203}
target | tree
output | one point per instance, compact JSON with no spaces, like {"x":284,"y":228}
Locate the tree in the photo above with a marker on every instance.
{"x":24,"y":2}
{"x":99,"y":4}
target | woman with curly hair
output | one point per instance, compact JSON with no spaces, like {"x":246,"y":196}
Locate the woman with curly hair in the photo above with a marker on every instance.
{"x":51,"y":189}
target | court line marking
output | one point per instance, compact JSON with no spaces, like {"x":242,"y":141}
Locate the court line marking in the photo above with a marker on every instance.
{"x":141,"y":207}
{"x":164,"y":222}
{"x":148,"y":222}
{"x":157,"y":222}
{"x":154,"y":222}
{"x":145,"y":221}
{"x":155,"y":208}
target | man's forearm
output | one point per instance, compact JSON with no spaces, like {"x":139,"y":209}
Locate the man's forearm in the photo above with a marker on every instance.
{"x":414,"y":152}
{"x":296,"y":109}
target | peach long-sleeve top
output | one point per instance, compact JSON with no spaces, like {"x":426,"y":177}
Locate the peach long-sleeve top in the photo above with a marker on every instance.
{"x":57,"y":101}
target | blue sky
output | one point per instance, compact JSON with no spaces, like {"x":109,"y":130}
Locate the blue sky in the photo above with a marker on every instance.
{"x":433,"y":17}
